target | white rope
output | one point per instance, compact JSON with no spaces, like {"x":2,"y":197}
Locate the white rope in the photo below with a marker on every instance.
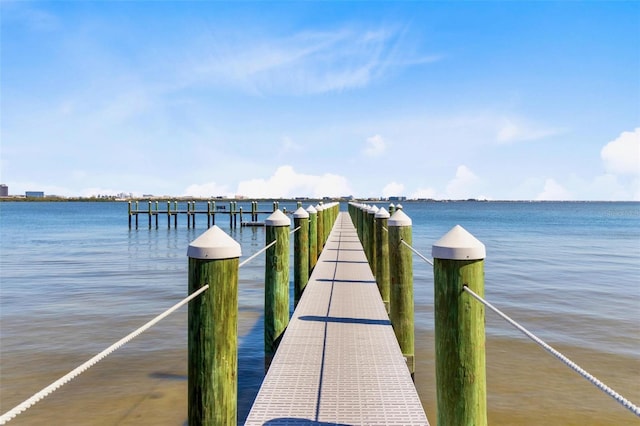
{"x":295,"y":230}
{"x":429,"y":261}
{"x":597,"y":383}
{"x":257,"y":253}
{"x":82,"y":368}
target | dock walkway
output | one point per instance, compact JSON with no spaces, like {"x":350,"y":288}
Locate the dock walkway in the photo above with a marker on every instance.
{"x":339,"y":362}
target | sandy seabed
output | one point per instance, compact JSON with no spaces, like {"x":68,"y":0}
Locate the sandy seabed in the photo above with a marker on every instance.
{"x":140,"y":386}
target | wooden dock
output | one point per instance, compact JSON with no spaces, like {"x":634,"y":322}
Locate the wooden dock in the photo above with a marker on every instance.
{"x":339,"y":362}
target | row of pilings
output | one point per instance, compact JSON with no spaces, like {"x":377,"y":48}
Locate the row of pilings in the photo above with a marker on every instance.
{"x":173,"y":211}
{"x":214,"y":261}
{"x":458,"y":261}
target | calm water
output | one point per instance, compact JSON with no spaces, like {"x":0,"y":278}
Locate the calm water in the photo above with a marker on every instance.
{"x":74,"y":279}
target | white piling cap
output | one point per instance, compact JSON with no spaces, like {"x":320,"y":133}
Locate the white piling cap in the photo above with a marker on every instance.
{"x":300,"y":214}
{"x":214,"y":244}
{"x":399,"y":218}
{"x":399,"y":206}
{"x":458,"y":244}
{"x":373,"y":209}
{"x":277,"y":218}
{"x":319,"y":207}
{"x":382,"y":214}
{"x":311,"y":210}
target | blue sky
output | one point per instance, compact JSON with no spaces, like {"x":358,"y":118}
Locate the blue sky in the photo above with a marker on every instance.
{"x":445,"y":100}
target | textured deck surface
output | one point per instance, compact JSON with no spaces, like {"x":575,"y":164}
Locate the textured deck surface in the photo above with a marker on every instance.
{"x":339,"y":362}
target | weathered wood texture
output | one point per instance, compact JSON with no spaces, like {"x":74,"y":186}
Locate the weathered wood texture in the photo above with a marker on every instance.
{"x":212,"y":342}
{"x":460,"y":343}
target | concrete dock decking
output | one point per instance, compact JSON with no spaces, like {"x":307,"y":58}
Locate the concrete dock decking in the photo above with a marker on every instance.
{"x":339,"y":362}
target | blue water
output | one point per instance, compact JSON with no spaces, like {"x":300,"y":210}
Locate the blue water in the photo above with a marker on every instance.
{"x":74,"y":278}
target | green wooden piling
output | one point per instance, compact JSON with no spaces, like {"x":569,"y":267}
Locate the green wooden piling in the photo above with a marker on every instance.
{"x":401,"y":311}
{"x":382,"y":256}
{"x":365,"y":233}
{"x":320,"y":228}
{"x":300,"y":253}
{"x":370,"y":218}
{"x":313,"y":237}
{"x":213,"y":329}
{"x":461,"y":393}
{"x":276,"y":293}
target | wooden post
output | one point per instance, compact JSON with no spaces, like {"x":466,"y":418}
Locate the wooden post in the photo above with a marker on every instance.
{"x":150,"y":214}
{"x":320,"y":228}
{"x":213,"y":213}
{"x":235,"y":214}
{"x":175,"y":216}
{"x":392,"y":209}
{"x":371,"y":213}
{"x":461,"y":393}
{"x":137,"y":211}
{"x":382,"y":256}
{"x":313,"y":237}
{"x":276,"y":292}
{"x":213,"y":329}
{"x":401,"y":311}
{"x":361,"y":222}
{"x":300,"y":253}
{"x":364,"y":238}
{"x":129,"y":214}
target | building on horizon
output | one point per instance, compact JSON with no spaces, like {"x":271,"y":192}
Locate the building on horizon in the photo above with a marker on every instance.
{"x":4,"y":190}
{"x":34,"y":194}
{"x":398,"y":198}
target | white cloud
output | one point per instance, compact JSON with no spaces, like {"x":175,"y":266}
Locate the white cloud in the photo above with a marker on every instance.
{"x":306,"y":62}
{"x":286,"y":182}
{"x":622,"y":155}
{"x":210,"y":189}
{"x":462,"y":185}
{"x":288,"y":146}
{"x":424,"y":193}
{"x":375,"y":146}
{"x":393,"y":189}
{"x":553,"y":191}
{"x":516,"y":129}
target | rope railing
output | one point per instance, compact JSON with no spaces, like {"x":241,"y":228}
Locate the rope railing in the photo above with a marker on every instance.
{"x":256,"y":254}
{"x":294,"y":231}
{"x":597,"y":383}
{"x":9,"y":415}
{"x":429,"y":261}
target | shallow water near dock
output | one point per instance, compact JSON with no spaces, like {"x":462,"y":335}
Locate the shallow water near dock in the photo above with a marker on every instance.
{"x":74,"y":279}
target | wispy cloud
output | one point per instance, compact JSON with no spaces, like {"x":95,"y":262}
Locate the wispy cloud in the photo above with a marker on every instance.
{"x":307,"y":62}
{"x":517,"y":129}
{"x":375,"y":146}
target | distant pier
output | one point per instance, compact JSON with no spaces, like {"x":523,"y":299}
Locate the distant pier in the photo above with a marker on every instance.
{"x":157,"y":211}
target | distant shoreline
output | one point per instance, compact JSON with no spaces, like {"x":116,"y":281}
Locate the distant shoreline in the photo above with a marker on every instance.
{"x":56,"y":199}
